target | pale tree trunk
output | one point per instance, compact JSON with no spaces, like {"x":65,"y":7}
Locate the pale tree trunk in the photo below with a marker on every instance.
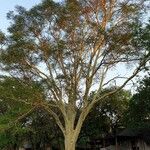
{"x":70,"y":142}
{"x":72,"y":132}
{"x":70,"y":136}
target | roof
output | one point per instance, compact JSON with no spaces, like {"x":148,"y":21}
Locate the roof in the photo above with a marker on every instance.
{"x":141,"y":132}
{"x":129,"y":133}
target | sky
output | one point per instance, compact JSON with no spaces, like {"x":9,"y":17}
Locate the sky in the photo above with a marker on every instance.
{"x":9,"y":5}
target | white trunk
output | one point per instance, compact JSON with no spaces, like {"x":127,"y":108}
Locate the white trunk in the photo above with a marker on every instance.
{"x":71,"y":133}
{"x":70,"y":137}
{"x":70,"y":142}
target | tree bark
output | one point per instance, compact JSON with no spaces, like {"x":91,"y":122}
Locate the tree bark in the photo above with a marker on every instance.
{"x":71,"y":136}
{"x":70,"y":142}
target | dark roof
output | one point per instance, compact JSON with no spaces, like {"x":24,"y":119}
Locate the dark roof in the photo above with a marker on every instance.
{"x":129,"y":133}
{"x":141,"y":132}
{"x":27,"y":145}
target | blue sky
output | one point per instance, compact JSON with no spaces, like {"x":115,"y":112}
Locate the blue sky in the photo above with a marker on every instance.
{"x":9,"y":5}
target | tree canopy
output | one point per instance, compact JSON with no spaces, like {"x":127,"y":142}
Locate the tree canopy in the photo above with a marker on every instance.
{"x":69,"y":48}
{"x":138,"y":114}
{"x":106,"y":117}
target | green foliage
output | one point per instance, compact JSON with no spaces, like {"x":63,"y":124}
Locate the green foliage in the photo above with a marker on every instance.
{"x":20,"y":90}
{"x":37,"y":127}
{"x":2,"y":38}
{"x":141,"y":35}
{"x":107,"y":115}
{"x":16,"y":100}
{"x":13,"y":137}
{"x":138,"y":114}
{"x":43,"y":129}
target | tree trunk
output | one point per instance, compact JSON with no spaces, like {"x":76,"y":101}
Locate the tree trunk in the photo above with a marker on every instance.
{"x":70,"y":142}
{"x":72,"y":132}
{"x":71,"y":136}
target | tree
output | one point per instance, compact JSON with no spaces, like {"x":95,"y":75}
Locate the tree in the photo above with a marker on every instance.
{"x":37,"y":128}
{"x":36,"y":125}
{"x":106,"y":116}
{"x":138,"y":114}
{"x":13,"y":111}
{"x":70,"y":48}
{"x":43,"y":131}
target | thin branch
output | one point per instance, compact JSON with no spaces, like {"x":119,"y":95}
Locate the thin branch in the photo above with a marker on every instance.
{"x":57,"y":119}
{"x":11,"y":124}
{"x":137,"y":70}
{"x":18,"y":100}
{"x":117,"y":77}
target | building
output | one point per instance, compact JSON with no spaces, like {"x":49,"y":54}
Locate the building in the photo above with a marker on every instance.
{"x":128,"y":139}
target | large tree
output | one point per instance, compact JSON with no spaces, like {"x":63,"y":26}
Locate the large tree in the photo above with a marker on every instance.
{"x":70,"y":48}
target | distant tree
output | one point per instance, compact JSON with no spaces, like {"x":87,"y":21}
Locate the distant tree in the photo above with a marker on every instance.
{"x":106,"y":116}
{"x":36,"y":126}
{"x":69,"y":49}
{"x":13,"y":110}
{"x":37,"y":129}
{"x":43,"y":131}
{"x":138,"y":115}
